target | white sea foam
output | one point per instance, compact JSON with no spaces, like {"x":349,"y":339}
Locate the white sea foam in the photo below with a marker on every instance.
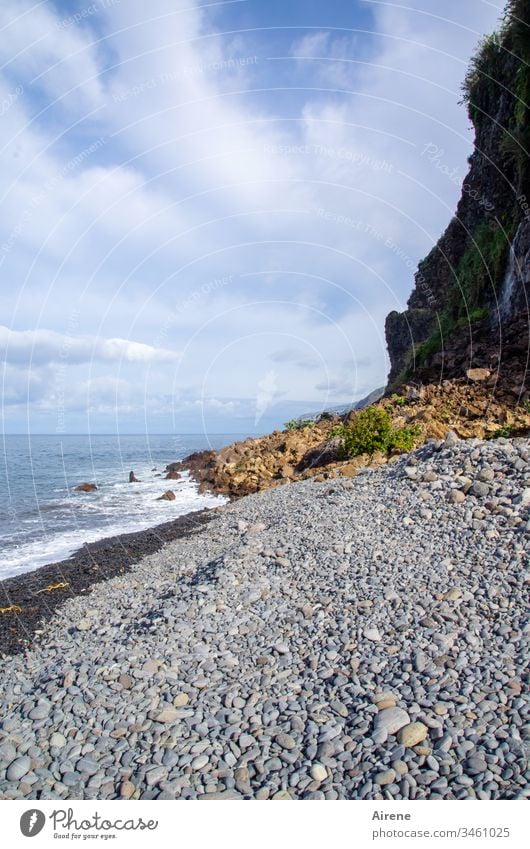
{"x":121,"y":508}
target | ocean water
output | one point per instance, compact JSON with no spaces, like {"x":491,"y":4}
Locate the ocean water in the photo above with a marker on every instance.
{"x":43,"y":520}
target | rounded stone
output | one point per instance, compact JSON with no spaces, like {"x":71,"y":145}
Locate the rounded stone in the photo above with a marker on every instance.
{"x":318,"y":772}
{"x":41,"y":711}
{"x":127,"y":789}
{"x":19,"y":768}
{"x":391,"y":720}
{"x":412,"y":734}
{"x":167,"y":714}
{"x":285,"y":741}
{"x":388,"y":776}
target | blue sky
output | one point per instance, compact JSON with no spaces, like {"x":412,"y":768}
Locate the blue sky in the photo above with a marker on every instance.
{"x":209,"y":209}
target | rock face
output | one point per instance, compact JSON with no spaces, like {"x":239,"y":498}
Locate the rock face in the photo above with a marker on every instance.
{"x":468,"y":288}
{"x":86,"y":487}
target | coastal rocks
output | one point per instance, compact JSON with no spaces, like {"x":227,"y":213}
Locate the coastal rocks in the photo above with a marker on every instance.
{"x":133,"y":478}
{"x":283,"y":457}
{"x":173,"y":476}
{"x":85,"y":487}
{"x":169,"y":495}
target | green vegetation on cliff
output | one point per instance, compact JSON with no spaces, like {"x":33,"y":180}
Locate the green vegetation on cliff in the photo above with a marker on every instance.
{"x":458,"y":284}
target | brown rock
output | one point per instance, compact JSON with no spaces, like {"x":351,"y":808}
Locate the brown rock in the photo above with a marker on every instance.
{"x":169,"y":495}
{"x":477,"y":375}
{"x":86,"y":487}
{"x":349,"y":470}
{"x":412,"y":734}
{"x":126,"y":681}
{"x":389,"y":702}
{"x":173,"y":476}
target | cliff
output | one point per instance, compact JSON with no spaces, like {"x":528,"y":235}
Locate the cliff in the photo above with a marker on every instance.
{"x":471,"y":292}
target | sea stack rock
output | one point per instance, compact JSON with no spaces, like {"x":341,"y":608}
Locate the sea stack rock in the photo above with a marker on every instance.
{"x":133,"y":478}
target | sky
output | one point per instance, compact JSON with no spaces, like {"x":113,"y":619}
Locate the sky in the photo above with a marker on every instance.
{"x":208,"y":209}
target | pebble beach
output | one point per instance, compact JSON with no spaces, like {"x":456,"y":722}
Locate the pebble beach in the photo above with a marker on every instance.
{"x":360,"y":638}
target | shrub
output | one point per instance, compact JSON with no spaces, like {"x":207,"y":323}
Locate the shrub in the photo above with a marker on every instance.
{"x":299,"y":424}
{"x":404,"y":438}
{"x":371,"y":430}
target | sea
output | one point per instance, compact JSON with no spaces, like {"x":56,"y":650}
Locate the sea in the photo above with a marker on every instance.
{"x":43,"y":519}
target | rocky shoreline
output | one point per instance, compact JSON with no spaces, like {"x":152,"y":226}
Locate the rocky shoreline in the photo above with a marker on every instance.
{"x":361,"y":638}
{"x":479,"y":405}
{"x":27,"y":601}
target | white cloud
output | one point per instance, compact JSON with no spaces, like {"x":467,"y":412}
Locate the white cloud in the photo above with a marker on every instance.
{"x":41,"y":347}
{"x":57,"y":58}
{"x":315,"y":44}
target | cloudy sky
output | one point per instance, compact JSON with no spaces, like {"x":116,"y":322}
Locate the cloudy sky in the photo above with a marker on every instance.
{"x":208,"y":209}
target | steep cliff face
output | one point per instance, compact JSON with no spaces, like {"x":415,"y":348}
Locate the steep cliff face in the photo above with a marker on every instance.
{"x":475,"y":281}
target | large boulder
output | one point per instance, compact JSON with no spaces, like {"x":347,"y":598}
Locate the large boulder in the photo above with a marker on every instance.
{"x":322,"y":455}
